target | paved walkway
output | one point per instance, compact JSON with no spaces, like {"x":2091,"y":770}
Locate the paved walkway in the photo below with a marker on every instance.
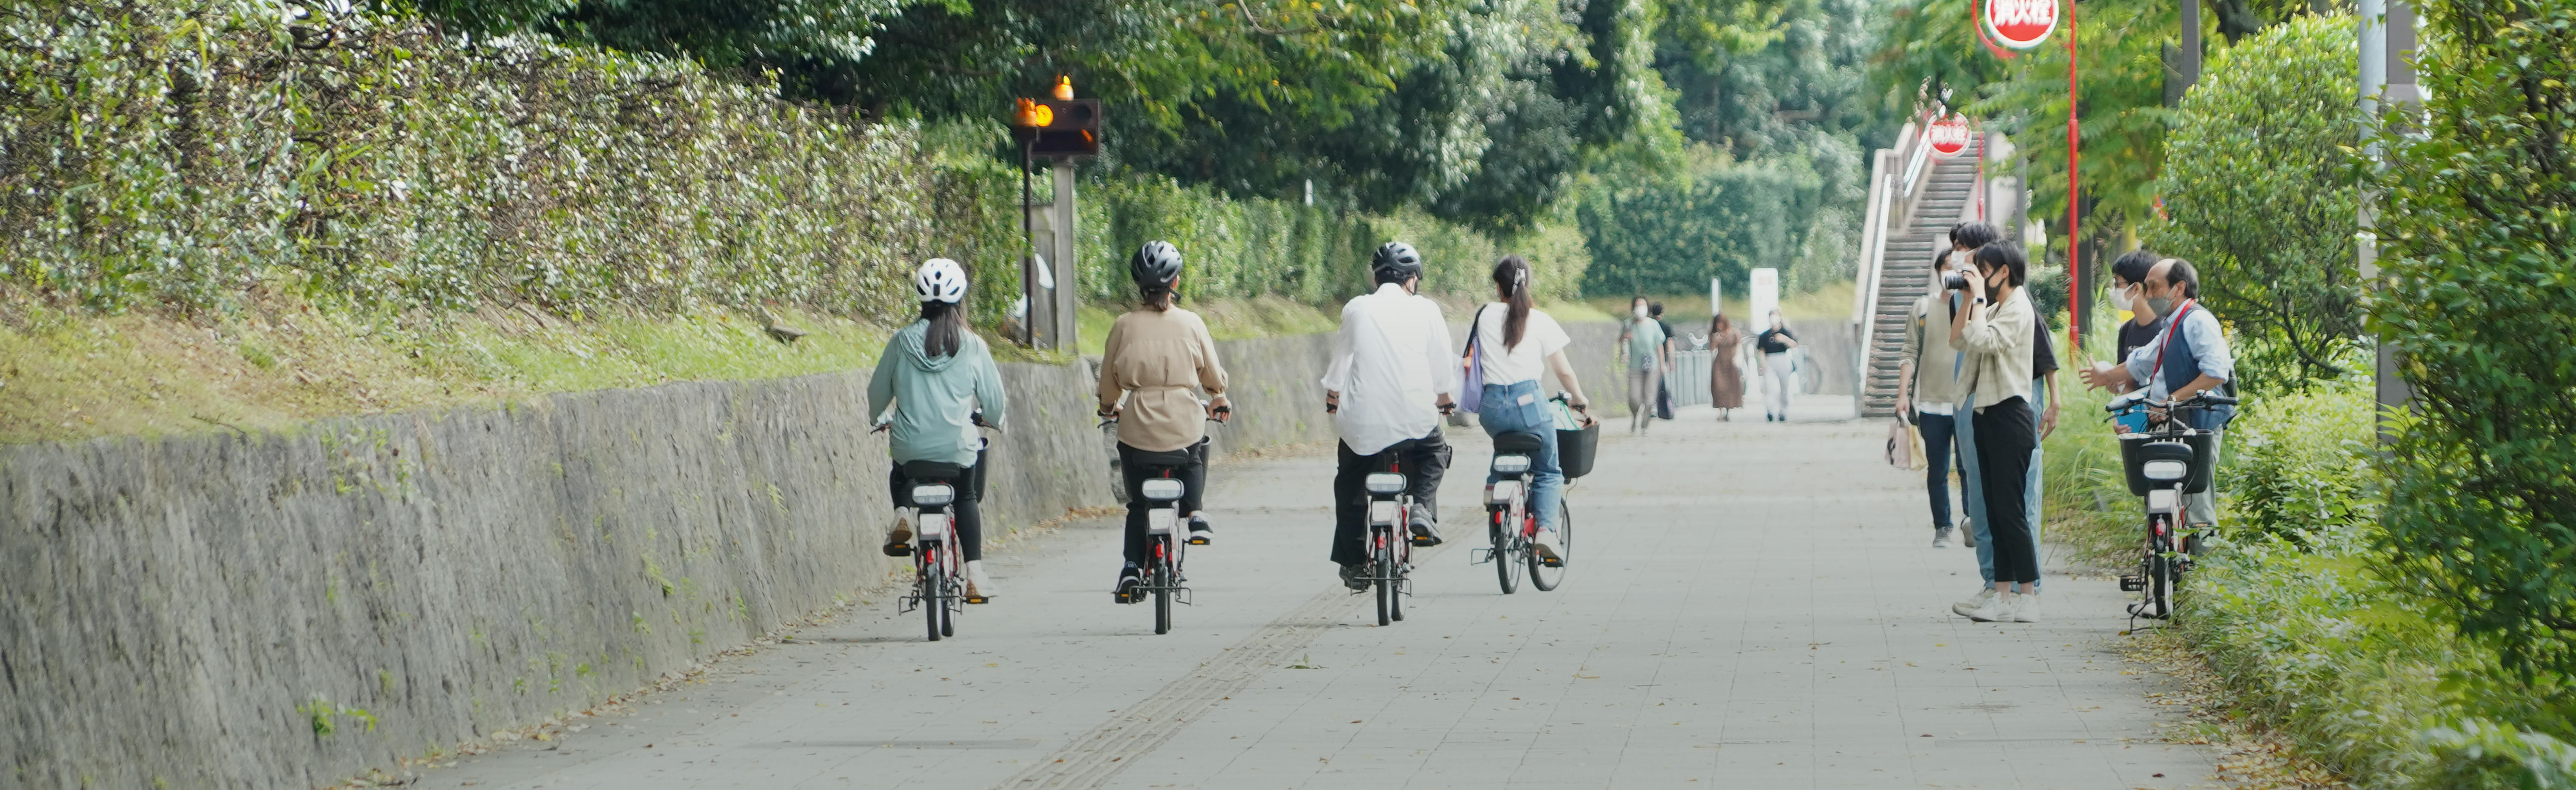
{"x":1752,"y":605}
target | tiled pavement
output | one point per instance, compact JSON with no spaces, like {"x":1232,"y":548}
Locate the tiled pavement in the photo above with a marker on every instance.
{"x":1751,"y":605}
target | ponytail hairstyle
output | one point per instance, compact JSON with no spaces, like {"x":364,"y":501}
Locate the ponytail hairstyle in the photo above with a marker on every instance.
{"x":947,"y":328}
{"x":1512,"y":281}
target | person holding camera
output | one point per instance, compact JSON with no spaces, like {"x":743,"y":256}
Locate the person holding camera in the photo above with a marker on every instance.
{"x":1995,"y":328}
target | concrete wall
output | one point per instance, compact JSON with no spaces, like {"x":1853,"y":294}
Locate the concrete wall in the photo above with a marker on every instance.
{"x":281,"y":610}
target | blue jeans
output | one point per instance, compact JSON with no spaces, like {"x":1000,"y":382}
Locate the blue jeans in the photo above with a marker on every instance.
{"x":1937,"y":438}
{"x":1517,"y":407}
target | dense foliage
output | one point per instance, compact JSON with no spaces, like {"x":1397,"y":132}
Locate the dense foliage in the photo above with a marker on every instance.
{"x":2480,"y":205}
{"x":1717,"y":219}
{"x":2259,"y":192}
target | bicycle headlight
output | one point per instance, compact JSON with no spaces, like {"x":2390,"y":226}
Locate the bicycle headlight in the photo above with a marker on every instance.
{"x":1386,"y":483}
{"x":2164,"y":470}
{"x":1511,"y":464}
{"x":933,"y":495}
{"x":1161,"y":489}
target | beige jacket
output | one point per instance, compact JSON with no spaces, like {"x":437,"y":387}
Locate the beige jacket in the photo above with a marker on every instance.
{"x":1940,"y":371}
{"x":1162,"y":357}
{"x":1999,"y":350}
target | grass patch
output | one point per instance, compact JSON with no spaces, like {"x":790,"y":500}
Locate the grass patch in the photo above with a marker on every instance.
{"x":72,"y":374}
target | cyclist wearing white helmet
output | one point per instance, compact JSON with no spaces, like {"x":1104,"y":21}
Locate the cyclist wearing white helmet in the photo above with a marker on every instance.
{"x":940,"y":378}
{"x":1156,"y":356}
{"x":1391,"y":375}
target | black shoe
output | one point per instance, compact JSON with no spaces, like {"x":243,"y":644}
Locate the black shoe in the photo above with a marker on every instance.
{"x":1355,"y":576}
{"x":1129,"y":579}
{"x":1424,"y":533}
{"x":1200,"y":533}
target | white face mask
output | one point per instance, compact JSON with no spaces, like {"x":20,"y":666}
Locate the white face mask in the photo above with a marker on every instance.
{"x":1640,"y":311}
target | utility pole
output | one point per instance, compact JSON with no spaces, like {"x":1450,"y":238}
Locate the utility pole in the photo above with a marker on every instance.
{"x":2387,"y":83}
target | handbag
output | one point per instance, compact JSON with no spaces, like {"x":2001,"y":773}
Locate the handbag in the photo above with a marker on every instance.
{"x":1471,"y":395}
{"x":1900,"y":446}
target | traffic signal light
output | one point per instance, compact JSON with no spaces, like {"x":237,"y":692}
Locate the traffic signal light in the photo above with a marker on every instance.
{"x":1059,"y":127}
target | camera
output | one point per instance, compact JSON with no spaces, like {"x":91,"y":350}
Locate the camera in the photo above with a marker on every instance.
{"x":1954,"y":281}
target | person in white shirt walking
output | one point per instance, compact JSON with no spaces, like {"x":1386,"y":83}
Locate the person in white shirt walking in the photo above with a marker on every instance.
{"x":1393,"y":372}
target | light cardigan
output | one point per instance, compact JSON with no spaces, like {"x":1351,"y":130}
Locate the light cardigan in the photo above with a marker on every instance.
{"x":1998,"y":343}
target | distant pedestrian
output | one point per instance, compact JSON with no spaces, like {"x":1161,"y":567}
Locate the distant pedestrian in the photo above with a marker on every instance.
{"x":1777,"y":367}
{"x":1672,"y":343}
{"x":1725,"y":371}
{"x":1649,"y":355}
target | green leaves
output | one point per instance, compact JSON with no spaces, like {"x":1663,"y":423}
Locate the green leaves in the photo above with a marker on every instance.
{"x":2259,"y":192}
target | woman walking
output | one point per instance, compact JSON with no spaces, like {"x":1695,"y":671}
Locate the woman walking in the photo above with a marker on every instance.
{"x":1649,"y":355}
{"x":1516,"y":348}
{"x":1725,"y":372}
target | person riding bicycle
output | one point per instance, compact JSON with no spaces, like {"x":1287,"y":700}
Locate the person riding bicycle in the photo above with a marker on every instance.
{"x":1391,"y":375}
{"x":1156,"y":355}
{"x":2189,"y":356}
{"x":941,"y":381}
{"x":1517,"y":346}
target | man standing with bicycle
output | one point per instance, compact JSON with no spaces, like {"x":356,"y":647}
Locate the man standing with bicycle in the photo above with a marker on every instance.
{"x":1392,"y":373}
{"x":2189,"y":356}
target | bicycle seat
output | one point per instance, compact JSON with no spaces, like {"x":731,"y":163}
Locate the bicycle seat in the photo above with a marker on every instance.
{"x":1161,"y":459}
{"x":932,"y":471}
{"x":1517,"y":442}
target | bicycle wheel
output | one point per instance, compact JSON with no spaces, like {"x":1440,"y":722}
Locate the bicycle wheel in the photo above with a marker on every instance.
{"x":933,"y":606}
{"x":2160,"y":574}
{"x":1507,"y":561}
{"x":1163,"y":583}
{"x":1541,"y":576}
{"x":1385,"y":573}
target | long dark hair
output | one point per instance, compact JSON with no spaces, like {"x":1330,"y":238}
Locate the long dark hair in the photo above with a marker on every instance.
{"x":947,"y":327}
{"x":1718,"y":325}
{"x":1512,"y":280}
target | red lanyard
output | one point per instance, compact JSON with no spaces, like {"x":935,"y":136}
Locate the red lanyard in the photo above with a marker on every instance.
{"x":2168,"y":341}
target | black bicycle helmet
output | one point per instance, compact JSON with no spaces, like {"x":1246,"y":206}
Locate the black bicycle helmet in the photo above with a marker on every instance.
{"x":1396,"y":262}
{"x":1155,"y":266}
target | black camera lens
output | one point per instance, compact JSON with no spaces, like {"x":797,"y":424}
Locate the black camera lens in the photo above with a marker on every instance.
{"x":1954,"y":281}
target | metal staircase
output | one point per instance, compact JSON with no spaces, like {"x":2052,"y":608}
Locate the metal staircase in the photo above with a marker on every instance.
{"x":1920,"y":203}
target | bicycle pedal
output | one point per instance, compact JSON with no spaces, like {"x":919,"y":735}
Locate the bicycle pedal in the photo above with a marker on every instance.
{"x":898,"y":550}
{"x":977,"y":599}
{"x":2132,"y":583}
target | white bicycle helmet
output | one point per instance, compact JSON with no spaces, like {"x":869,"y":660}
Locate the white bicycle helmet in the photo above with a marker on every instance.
{"x":940,"y":280}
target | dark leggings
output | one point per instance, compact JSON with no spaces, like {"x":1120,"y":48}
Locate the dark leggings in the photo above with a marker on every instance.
{"x":2006,"y":434}
{"x":967,"y":509}
{"x":1193,"y":479}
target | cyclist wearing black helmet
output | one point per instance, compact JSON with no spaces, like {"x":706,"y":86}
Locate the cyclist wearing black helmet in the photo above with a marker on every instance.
{"x":1156,"y":359}
{"x":1393,"y":371}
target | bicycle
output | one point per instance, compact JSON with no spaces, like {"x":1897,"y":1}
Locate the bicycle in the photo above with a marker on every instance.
{"x":1510,"y":524}
{"x":938,"y":563}
{"x":2165,"y":464}
{"x":939,"y":586}
{"x":1163,"y":578}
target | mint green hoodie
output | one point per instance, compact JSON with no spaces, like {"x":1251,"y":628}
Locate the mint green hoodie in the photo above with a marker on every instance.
{"x":935,"y":397}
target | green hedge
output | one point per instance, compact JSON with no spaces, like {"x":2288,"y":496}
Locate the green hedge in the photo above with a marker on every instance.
{"x":187,"y":153}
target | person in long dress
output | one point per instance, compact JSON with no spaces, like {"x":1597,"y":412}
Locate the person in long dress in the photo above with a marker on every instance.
{"x":1725,"y":374}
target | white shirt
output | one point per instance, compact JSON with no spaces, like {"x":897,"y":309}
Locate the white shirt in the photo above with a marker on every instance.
{"x":1391,"y":362}
{"x":1540,"y":336}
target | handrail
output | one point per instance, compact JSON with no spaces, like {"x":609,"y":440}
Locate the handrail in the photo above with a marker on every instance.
{"x":1915,"y":165}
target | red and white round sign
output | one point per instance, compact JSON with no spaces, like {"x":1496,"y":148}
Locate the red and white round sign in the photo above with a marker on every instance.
{"x":1949,"y":135}
{"x":2020,"y":24}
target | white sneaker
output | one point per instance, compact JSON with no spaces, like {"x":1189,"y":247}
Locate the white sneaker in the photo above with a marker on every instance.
{"x":1941,"y":538}
{"x":1972,"y":603}
{"x":1548,"y":552}
{"x":1999,"y":609}
{"x":2026,"y":608}
{"x":979,"y":588}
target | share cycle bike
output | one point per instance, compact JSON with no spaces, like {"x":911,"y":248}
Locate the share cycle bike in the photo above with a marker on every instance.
{"x":2165,"y":464}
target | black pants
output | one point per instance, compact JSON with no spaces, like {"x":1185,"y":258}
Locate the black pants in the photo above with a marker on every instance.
{"x":1422,"y":460}
{"x":1938,"y":438}
{"x":2006,"y":433}
{"x":1132,"y":466}
{"x":970,"y":518}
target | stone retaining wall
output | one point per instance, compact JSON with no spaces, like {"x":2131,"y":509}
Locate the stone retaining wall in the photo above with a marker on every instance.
{"x":281,"y":610}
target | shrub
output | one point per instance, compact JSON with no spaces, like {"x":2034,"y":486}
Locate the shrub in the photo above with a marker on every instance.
{"x":2259,"y":192}
{"x":2480,"y":284}
{"x":2302,"y":461}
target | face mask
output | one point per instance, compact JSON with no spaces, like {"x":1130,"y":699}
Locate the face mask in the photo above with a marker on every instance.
{"x":1641,"y":312}
{"x":2160,"y":304}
